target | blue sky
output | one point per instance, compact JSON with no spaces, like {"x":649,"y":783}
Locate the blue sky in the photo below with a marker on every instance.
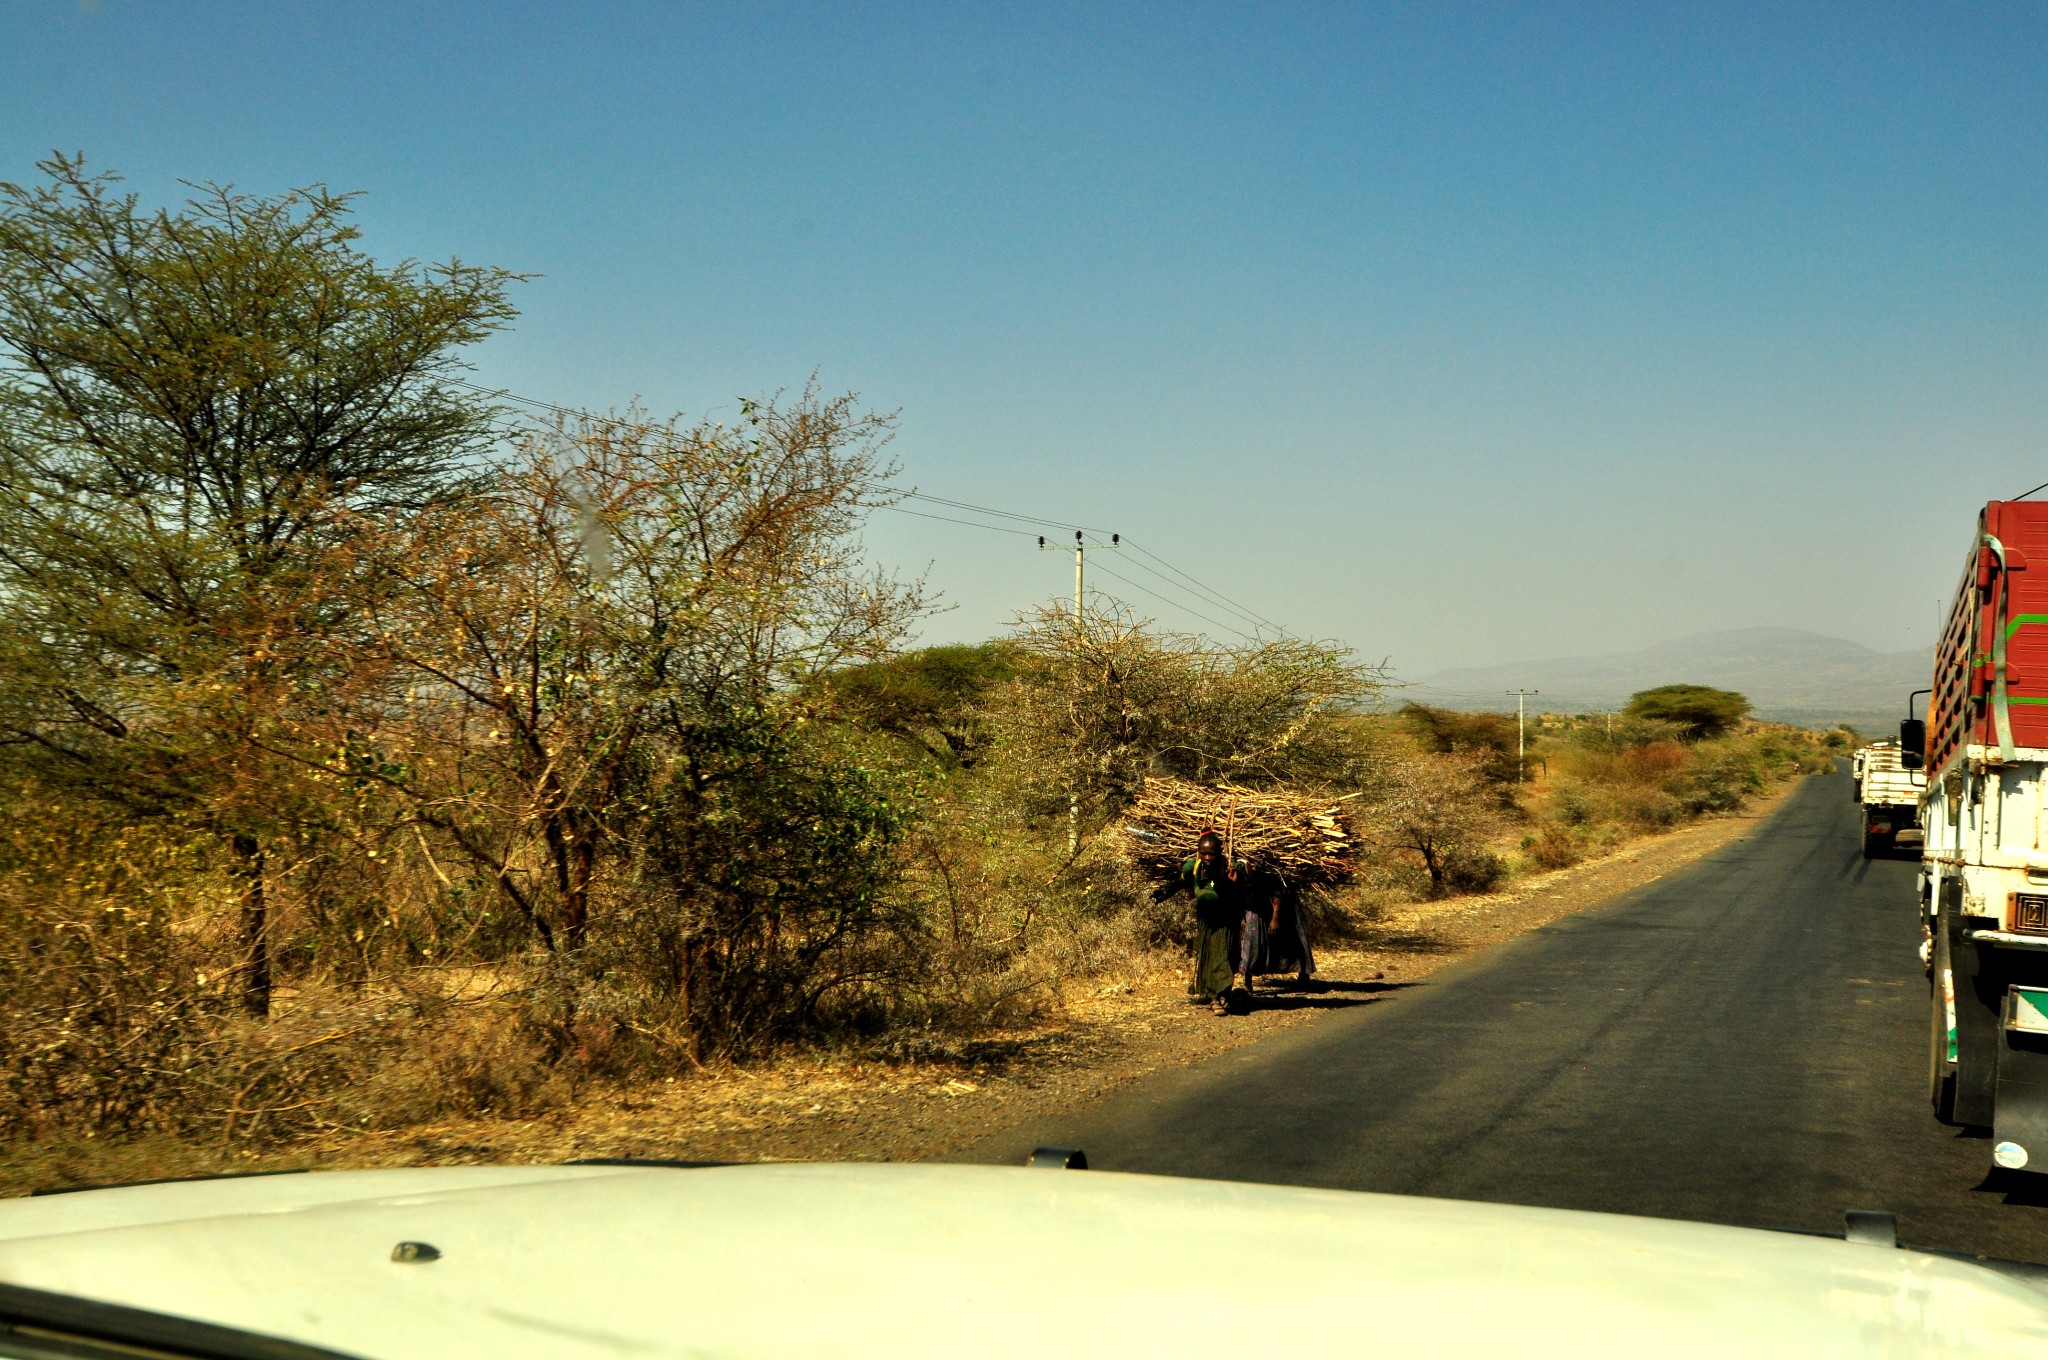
{"x":1459,"y":333}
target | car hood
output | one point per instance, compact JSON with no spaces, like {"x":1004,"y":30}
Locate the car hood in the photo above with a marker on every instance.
{"x":819,"y":1261}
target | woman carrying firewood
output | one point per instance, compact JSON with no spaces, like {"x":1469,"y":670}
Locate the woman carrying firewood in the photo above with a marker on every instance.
{"x":1226,"y":898}
{"x":1286,"y":945}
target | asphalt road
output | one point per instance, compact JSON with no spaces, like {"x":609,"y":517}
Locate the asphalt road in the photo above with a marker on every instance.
{"x":1743,"y":1041}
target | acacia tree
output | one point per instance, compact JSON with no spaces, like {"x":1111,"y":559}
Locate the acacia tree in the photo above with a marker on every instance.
{"x":1438,"y":808}
{"x":596,"y":680}
{"x":197,"y":405}
{"x":1100,"y":703}
{"x":1494,"y":737}
{"x":1699,"y":711}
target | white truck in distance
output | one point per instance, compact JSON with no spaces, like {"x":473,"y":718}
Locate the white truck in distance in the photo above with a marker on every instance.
{"x":1890,"y":794}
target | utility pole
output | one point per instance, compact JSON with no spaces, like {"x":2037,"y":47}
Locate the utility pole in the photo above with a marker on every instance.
{"x":1081,"y":547}
{"x":1080,"y":562}
{"x":1521,"y":744}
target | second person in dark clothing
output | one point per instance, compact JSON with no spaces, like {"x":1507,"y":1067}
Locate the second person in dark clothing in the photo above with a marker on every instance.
{"x":1287,"y":948}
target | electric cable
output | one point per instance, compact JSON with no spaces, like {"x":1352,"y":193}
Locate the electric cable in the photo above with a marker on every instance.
{"x":1439,"y":689}
{"x":1004,"y":514}
{"x":1209,"y":595}
{"x":580,"y":412}
{"x":992,"y":528}
{"x":1243,"y":614}
{"x":1210,"y":591}
{"x":1175,"y":604}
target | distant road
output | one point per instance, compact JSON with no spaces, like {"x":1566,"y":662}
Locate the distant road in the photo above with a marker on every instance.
{"x":1741,"y":1042}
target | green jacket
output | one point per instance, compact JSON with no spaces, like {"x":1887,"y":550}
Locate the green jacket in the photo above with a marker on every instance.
{"x":1218,"y":900}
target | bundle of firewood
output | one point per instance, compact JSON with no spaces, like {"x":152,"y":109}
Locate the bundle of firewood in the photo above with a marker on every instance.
{"x":1306,"y":841}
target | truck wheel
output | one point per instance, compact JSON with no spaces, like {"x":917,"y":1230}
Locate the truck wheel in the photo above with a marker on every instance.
{"x":1874,"y":844}
{"x":1941,"y":1073}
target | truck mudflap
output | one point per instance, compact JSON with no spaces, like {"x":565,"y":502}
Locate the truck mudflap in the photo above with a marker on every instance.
{"x":1977,"y":983}
{"x":2019,"y":1133}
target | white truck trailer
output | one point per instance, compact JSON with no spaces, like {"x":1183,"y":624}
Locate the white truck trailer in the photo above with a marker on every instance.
{"x":1890,"y":794}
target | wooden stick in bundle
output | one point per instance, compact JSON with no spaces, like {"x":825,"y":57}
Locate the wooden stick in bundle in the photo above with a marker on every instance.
{"x":1230,"y":840}
{"x":1306,"y":841}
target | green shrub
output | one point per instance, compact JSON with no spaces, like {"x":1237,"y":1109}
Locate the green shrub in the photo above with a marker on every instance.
{"x":1468,"y":870}
{"x":1615,"y":732}
{"x":1552,"y":846}
{"x":1720,"y":781}
{"x":1574,"y":803}
{"x":1651,"y":809}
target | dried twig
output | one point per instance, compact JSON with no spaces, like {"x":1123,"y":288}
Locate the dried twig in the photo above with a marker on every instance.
{"x":1306,"y":841}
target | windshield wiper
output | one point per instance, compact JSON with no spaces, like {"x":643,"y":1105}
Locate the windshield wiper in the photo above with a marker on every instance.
{"x":38,"y":1325}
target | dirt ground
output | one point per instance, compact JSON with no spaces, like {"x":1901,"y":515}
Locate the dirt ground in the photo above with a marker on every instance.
{"x":953,"y":1093}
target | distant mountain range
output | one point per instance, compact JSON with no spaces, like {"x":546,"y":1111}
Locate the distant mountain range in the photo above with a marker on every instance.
{"x":1788,"y":674}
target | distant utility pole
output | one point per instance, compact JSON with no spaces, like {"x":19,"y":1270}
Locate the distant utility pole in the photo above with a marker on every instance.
{"x":1081,"y":548}
{"x":1521,"y":745}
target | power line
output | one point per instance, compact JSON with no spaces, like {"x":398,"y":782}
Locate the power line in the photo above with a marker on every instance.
{"x":1439,"y":689}
{"x":1214,"y":598}
{"x":1004,"y":514}
{"x":1194,"y":586}
{"x":1213,"y":593}
{"x":577,"y":411}
{"x":1209,"y":594}
{"x":1177,"y":605}
{"x":536,"y":402}
{"x":1245,"y":615}
{"x":1001,"y":529}
{"x":992,"y":528}
{"x":1181,"y":605}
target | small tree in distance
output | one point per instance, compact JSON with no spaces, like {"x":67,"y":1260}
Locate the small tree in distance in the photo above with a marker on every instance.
{"x":1439,"y":808}
{"x":1491,"y":737}
{"x":1699,"y":711}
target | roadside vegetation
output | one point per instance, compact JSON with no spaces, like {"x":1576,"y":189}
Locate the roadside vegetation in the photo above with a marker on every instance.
{"x":1492,"y":805}
{"x":371,"y":756}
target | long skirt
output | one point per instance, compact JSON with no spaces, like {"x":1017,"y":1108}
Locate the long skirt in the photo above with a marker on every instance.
{"x":1251,"y":942}
{"x":1286,"y":947}
{"x":1215,"y":961}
